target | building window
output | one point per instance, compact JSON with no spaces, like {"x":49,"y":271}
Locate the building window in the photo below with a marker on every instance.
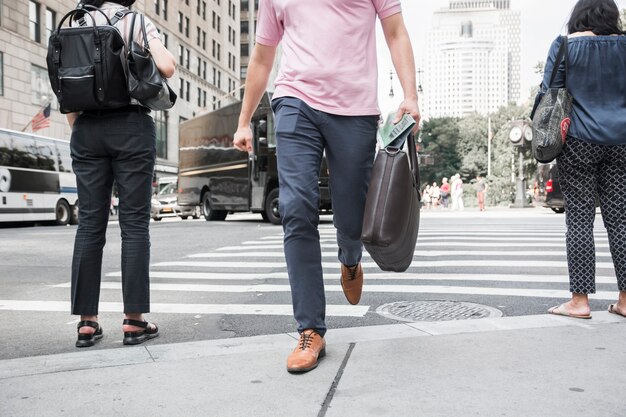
{"x":214,"y":19}
{"x":243,"y":49}
{"x":157,"y":7}
{"x":234,"y":9}
{"x":188,"y":85}
{"x":181,"y":89}
{"x":164,"y":9}
{"x":204,"y":10}
{"x":186,"y":26}
{"x":160,"y":123}
{"x":165,"y":39}
{"x":243,"y":72}
{"x":219,"y":52}
{"x":180,"y":22}
{"x":244,"y":26}
{"x":198,"y":33}
{"x":51,"y":22}
{"x":199,"y":67}
{"x":181,"y":55}
{"x":214,"y":48}
{"x":244,"y":5}
{"x":214,"y":102}
{"x":187,"y":58}
{"x":219,"y":24}
{"x":40,"y":85}
{"x":198,"y":8}
{"x":204,"y":40}
{"x":219,"y":80}
{"x":33,"y":17}
{"x":204,"y":70}
{"x":214,"y":76}
{"x":199,"y":97}
{"x":204,"y":99}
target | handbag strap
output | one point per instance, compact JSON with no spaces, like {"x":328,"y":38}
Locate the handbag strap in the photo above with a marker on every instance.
{"x":415,"y":170}
{"x":131,"y":34}
{"x":561,"y":55}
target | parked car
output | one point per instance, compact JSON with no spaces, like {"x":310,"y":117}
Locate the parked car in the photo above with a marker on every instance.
{"x":554,"y":195}
{"x":165,"y":204}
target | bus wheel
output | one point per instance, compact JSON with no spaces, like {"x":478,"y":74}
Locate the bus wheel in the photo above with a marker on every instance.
{"x":209,"y":213}
{"x":271,"y":207}
{"x":63,"y":213}
{"x":74,"y":218}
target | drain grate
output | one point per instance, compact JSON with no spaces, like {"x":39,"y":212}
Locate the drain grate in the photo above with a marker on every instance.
{"x":413,"y":311}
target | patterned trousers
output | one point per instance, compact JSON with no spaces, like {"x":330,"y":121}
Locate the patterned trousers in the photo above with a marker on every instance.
{"x":588,"y":172}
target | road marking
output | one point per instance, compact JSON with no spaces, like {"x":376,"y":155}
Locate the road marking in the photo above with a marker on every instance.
{"x":447,"y":243}
{"x":451,"y":238}
{"x":415,"y":264}
{"x":227,"y":309}
{"x":404,"y":289}
{"x":228,"y":276}
{"x":421,"y":253}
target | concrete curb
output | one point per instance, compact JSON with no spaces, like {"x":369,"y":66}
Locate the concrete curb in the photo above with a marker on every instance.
{"x":93,"y":359}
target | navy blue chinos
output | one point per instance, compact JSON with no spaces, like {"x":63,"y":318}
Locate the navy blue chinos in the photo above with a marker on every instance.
{"x":303,"y":135}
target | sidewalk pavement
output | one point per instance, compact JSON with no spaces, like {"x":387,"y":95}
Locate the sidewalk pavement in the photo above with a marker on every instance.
{"x":531,"y":366}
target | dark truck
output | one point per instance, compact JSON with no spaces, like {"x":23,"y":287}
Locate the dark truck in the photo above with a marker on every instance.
{"x":222,"y":179}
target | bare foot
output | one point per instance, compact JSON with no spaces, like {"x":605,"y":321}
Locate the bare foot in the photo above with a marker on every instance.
{"x":87,"y":329}
{"x":572,"y":308}
{"x":138,"y":317}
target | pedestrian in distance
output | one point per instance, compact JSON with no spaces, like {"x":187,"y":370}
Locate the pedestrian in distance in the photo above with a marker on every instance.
{"x":481,"y":189}
{"x":457,"y":193}
{"x":445,"y":192}
{"x":427,"y":196}
{"x":115,"y":145}
{"x":435,"y":195}
{"x":325,"y":100}
{"x":592,"y":164}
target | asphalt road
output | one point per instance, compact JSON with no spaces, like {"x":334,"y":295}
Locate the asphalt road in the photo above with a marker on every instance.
{"x":227,"y":279}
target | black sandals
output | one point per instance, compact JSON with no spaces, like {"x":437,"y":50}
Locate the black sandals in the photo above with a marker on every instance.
{"x":86,"y":339}
{"x":135,"y":338}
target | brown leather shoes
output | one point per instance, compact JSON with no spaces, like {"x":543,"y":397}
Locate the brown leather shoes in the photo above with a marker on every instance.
{"x":352,"y":282}
{"x":304,"y":357}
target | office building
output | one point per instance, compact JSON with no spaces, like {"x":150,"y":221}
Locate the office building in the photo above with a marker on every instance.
{"x":203,"y":35}
{"x":473,"y":58}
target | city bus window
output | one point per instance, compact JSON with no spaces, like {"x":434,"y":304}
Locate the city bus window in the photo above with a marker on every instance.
{"x":24,"y":153}
{"x":65,"y":160}
{"x":5,"y":149}
{"x":45,"y":156}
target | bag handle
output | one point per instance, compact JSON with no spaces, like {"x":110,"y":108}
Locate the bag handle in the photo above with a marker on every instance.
{"x":415,"y":170}
{"x":131,"y":35}
{"x":561,"y":55}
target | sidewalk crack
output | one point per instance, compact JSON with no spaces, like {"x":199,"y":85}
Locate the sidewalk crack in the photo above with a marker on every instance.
{"x":149,"y":353}
{"x":333,"y":386}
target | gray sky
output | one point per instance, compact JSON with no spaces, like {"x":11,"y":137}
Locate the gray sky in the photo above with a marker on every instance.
{"x":542,"y":21}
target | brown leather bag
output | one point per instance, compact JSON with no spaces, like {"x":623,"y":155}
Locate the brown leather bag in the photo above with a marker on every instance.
{"x":392,"y":209}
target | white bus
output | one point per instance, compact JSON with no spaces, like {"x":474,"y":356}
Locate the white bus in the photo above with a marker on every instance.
{"x":36,"y":179}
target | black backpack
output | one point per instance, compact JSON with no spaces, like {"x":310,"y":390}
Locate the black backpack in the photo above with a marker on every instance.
{"x":85,"y":63}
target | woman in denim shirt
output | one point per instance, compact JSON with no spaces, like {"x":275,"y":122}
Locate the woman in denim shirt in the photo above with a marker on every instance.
{"x":593,"y":162}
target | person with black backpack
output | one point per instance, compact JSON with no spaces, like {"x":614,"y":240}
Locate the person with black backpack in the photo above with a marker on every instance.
{"x":113,"y":139}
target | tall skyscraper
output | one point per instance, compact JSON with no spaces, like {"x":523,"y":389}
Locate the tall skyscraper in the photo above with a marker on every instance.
{"x":473,"y":58}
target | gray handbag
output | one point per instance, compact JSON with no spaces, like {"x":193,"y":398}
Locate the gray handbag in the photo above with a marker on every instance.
{"x":551,"y":114}
{"x":392,"y":208}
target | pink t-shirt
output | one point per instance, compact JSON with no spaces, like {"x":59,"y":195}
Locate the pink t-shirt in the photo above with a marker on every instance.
{"x":329,"y":51}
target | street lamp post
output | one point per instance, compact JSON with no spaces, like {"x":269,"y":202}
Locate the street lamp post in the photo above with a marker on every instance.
{"x":519,"y":135}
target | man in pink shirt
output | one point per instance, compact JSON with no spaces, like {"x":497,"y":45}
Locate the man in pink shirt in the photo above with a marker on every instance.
{"x":325,"y":102}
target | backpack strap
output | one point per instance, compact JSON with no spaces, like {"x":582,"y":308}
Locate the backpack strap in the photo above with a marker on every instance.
{"x":119,"y":15}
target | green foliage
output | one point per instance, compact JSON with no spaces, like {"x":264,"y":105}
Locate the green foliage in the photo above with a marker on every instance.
{"x":460,"y":145}
{"x":439,"y":139}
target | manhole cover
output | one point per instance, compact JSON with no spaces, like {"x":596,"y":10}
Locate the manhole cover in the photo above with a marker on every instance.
{"x":436,"y":311}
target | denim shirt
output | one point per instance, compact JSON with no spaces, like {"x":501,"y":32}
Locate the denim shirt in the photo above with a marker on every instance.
{"x":596,"y":79}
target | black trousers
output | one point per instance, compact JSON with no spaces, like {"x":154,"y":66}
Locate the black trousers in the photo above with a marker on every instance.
{"x":110,"y":146}
{"x":587,"y":172}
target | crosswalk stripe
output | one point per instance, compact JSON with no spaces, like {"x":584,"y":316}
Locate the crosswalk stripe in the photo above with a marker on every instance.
{"x":226,"y":309}
{"x":423,"y":264}
{"x":406,"y":289}
{"x":452,"y":238}
{"x":447,"y":243}
{"x":419,"y":253}
{"x":406,"y":276}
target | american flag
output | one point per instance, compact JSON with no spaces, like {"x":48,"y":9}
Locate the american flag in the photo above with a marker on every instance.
{"x":41,"y":119}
